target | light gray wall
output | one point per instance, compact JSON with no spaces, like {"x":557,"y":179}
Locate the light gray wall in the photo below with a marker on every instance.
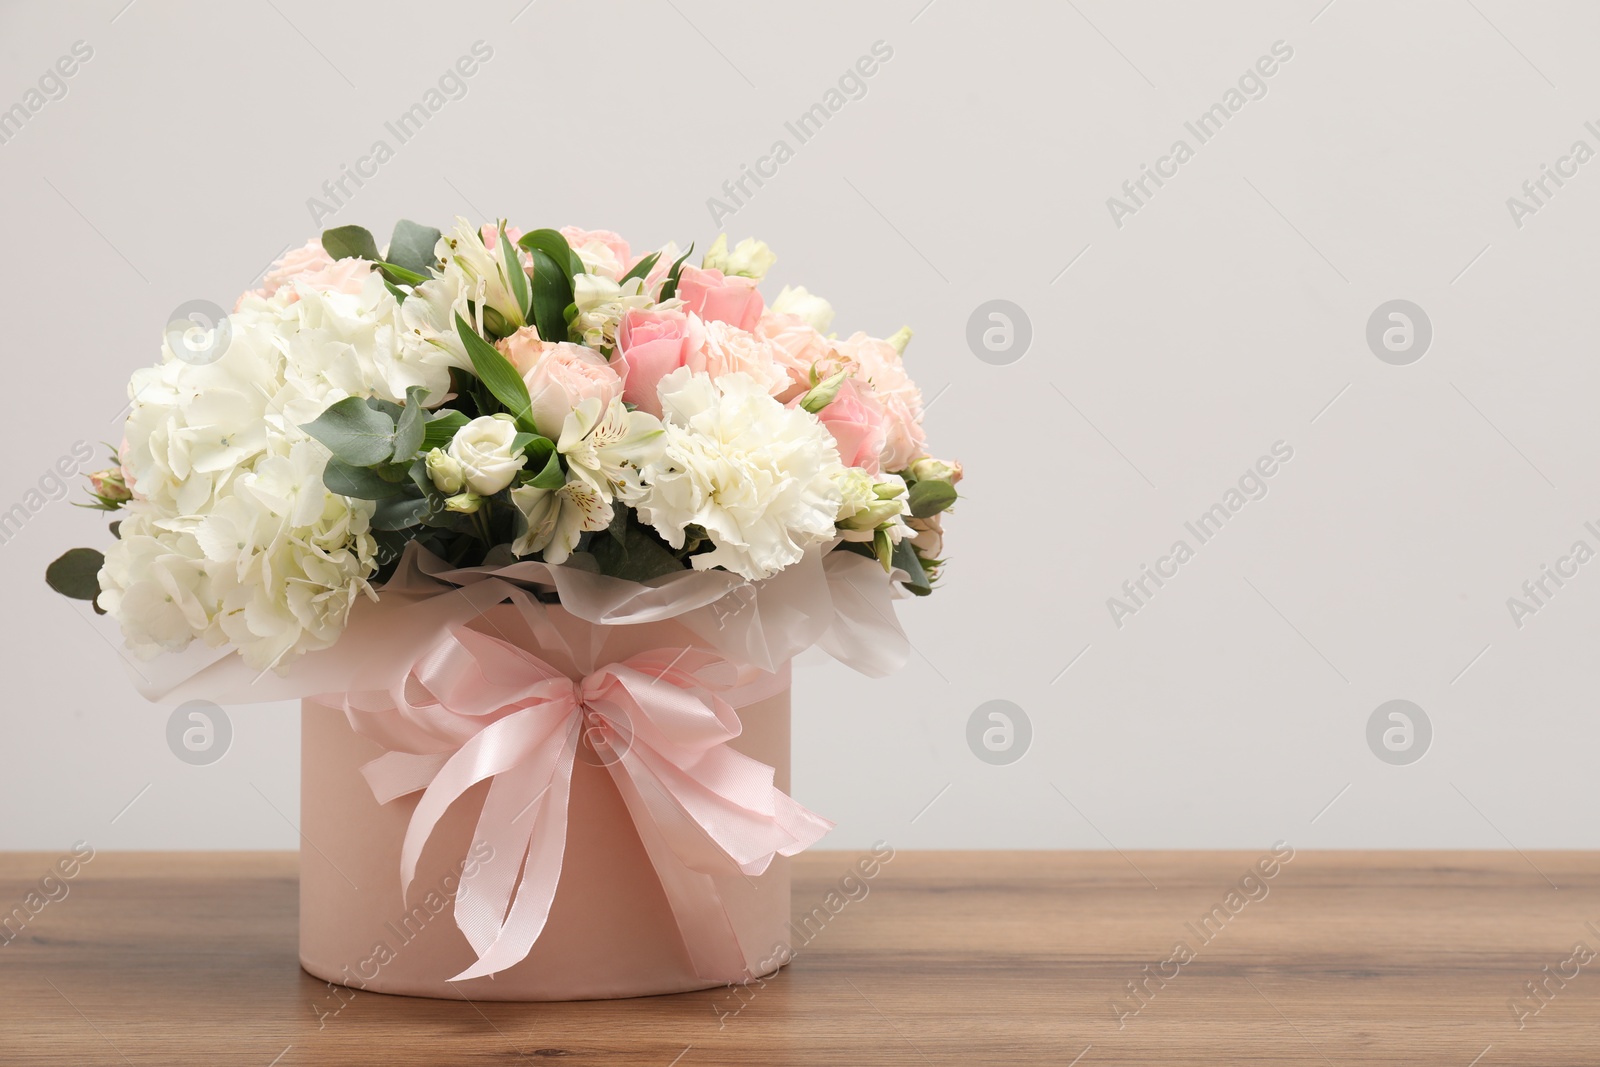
{"x":1168,"y":353}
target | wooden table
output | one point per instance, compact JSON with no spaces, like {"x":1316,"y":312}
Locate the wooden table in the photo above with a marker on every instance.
{"x":950,"y":958}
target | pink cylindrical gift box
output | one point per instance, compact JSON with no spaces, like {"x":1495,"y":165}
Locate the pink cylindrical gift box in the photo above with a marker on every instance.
{"x":610,"y":933}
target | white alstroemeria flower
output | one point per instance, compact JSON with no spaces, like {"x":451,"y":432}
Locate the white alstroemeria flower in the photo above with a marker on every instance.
{"x":556,"y":517}
{"x":601,"y":303}
{"x":750,"y":258}
{"x":607,"y":448}
{"x":428,"y":319}
{"x":487,"y":283}
{"x":812,"y":310}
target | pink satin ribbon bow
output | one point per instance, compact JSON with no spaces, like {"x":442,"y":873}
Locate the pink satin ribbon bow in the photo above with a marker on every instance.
{"x":474,"y":707}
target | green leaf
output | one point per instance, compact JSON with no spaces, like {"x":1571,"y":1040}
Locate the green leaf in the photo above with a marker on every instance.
{"x":412,"y":246}
{"x":388,"y":407}
{"x":355,"y":433}
{"x":552,"y":244}
{"x":669,"y":288}
{"x":411,"y":426}
{"x":116,"y":529}
{"x":906,"y":558}
{"x":636,"y":555}
{"x":401,"y":275}
{"x":642,"y":268}
{"x":515,"y":276}
{"x":497,"y":373}
{"x":441,"y":427}
{"x":399,"y":512}
{"x":930,"y":498}
{"x":552,"y":292}
{"x":75,"y":573}
{"x":346,"y":242}
{"x":361,"y":483}
{"x":550,"y":476}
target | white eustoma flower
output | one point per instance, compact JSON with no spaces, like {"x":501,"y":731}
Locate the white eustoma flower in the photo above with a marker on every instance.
{"x":750,"y":258}
{"x":445,"y":473}
{"x":557,"y":517}
{"x":483,"y":449}
{"x":758,"y":477}
{"x":606,"y":448}
{"x":812,"y":310}
{"x":871,"y":504}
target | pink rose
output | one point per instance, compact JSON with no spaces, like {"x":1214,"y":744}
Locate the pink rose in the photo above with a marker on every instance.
{"x":797,"y":348}
{"x":718,"y":297}
{"x":650,"y":345}
{"x":858,"y":424}
{"x":603,"y":252}
{"x":559,"y":376}
{"x":880,"y":365}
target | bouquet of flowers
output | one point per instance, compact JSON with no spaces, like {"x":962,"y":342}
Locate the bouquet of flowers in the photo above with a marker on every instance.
{"x":494,"y":395}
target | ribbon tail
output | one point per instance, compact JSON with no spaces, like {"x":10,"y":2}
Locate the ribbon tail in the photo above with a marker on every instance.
{"x":396,"y":774}
{"x":696,"y":898}
{"x":503,"y":940}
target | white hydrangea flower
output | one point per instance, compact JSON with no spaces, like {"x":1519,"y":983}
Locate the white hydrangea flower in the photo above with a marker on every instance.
{"x":231,"y":536}
{"x":760,"y":478}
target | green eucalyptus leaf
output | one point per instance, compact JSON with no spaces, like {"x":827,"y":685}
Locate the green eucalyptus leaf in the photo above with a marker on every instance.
{"x":398,"y":513}
{"x":360,"y":483}
{"x":636,"y":555}
{"x":412,"y":246}
{"x":905,"y":557}
{"x":347,"y":242}
{"x":411,"y":426}
{"x":354,"y":432}
{"x":930,"y":498}
{"x":75,"y":573}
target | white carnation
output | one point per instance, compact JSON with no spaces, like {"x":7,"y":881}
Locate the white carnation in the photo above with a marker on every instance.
{"x":760,"y":479}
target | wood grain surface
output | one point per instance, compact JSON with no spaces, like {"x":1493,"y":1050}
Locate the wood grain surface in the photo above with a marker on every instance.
{"x":943,"y":958}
